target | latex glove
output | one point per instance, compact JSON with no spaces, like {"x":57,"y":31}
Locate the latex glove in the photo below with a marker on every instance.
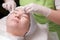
{"x":9,"y":5}
{"x":30,"y":8}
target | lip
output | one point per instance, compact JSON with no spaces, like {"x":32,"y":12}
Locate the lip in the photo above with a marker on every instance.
{"x":16,"y":20}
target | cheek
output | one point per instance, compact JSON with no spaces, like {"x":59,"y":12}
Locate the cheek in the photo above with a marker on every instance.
{"x":24,"y":22}
{"x":11,"y":23}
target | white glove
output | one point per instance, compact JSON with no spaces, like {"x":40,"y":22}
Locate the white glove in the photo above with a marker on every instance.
{"x":30,"y":8}
{"x":9,"y":5}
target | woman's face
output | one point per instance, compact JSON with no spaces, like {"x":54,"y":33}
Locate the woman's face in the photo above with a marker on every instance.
{"x":15,"y":18}
{"x":17,"y":21}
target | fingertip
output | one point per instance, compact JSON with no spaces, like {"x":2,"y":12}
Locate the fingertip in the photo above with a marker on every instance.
{"x":3,"y":5}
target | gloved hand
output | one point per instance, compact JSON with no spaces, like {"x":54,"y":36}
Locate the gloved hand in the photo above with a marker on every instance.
{"x":30,"y":8}
{"x":9,"y":5}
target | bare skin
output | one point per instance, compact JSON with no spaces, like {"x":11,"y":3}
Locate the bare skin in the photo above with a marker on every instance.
{"x":55,"y":16}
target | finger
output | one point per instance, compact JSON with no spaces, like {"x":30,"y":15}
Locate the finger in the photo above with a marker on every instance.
{"x":4,"y":6}
{"x":28,"y":9}
{"x":9,"y":7}
{"x":17,"y":12}
{"x":11,"y":11}
{"x":17,"y":8}
{"x":20,"y":8}
{"x":13,"y":7}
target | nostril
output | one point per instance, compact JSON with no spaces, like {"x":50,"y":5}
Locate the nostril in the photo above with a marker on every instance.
{"x":17,"y":17}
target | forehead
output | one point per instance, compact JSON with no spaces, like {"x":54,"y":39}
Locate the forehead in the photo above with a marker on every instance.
{"x":17,"y":11}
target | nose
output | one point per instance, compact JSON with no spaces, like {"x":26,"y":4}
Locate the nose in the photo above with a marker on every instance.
{"x":18,"y":15}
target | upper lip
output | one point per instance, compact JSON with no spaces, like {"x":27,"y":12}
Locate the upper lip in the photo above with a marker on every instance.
{"x":16,"y":19}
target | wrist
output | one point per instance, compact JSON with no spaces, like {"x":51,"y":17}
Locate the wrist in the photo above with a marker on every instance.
{"x":44,"y":11}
